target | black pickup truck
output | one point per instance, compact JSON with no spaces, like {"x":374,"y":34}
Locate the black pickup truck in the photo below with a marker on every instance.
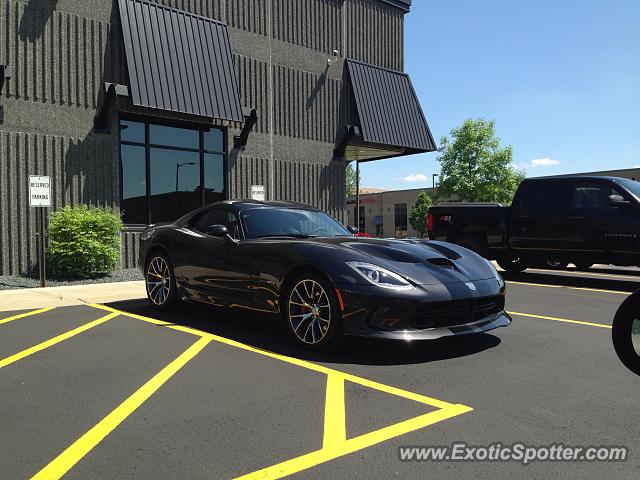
{"x":581,"y":220}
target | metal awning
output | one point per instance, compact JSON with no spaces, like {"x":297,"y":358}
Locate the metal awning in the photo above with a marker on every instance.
{"x":178,"y":61}
{"x":386,"y":114}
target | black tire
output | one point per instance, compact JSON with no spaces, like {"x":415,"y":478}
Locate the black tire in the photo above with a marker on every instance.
{"x":309,"y":303}
{"x":621,"y":335}
{"x":514,"y":265}
{"x":583,"y":265}
{"x":555,"y":264}
{"x":160,"y":281}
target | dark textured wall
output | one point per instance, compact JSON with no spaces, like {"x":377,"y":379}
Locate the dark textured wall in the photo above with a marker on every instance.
{"x":62,"y":51}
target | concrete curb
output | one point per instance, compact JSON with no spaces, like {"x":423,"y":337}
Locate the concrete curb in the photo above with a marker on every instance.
{"x":32,"y":298}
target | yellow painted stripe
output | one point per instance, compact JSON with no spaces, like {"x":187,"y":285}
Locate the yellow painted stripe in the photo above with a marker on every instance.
{"x":534,"y":284}
{"x":312,"y":459}
{"x":616,"y":292}
{"x":335,"y":427}
{"x":26,"y":314}
{"x":601,"y":290}
{"x":53,"y":341}
{"x":76,"y":451}
{"x":565,"y":320}
{"x":295,"y":361}
{"x":634,"y":277}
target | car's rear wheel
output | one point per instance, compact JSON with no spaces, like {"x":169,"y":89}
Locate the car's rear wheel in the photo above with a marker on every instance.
{"x":312,"y":312}
{"x":556,"y":264}
{"x":160,"y":281}
{"x":513,"y":265}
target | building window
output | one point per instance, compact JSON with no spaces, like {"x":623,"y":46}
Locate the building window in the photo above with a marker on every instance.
{"x":400,"y":210}
{"x":168,"y":171}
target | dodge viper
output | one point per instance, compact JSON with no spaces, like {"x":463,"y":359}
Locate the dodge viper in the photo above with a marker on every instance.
{"x":296,"y":261}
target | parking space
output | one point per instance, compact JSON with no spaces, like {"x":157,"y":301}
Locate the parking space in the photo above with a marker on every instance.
{"x":119,"y":391}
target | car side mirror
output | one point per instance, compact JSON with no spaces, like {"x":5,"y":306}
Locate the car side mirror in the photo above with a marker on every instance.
{"x":217,"y":231}
{"x":353,"y":229}
{"x":618,"y":201}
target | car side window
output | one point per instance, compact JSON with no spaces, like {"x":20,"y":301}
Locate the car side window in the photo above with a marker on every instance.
{"x":218,"y":217}
{"x":550,"y":195}
{"x":592,"y":195}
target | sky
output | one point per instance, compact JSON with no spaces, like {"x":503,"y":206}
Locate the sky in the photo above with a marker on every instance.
{"x":561,"y":78}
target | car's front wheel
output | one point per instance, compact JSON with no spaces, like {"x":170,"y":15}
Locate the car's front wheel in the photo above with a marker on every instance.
{"x":312,"y":311}
{"x":513,"y":265}
{"x":160,"y":281}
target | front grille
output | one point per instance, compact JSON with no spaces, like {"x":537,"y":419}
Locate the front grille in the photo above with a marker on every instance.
{"x":456,"y":312}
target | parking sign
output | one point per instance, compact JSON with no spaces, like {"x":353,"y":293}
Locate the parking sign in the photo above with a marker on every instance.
{"x":39,"y":191}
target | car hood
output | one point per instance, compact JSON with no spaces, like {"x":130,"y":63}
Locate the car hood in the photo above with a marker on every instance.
{"x":423,"y":262}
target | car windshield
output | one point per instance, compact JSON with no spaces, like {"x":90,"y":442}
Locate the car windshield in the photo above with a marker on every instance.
{"x":632,"y":186}
{"x":290,"y":222}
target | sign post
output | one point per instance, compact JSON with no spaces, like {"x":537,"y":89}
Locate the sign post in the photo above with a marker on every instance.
{"x":40,"y":198}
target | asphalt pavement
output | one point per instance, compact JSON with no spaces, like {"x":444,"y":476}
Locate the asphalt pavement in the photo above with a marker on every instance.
{"x":120,"y":391}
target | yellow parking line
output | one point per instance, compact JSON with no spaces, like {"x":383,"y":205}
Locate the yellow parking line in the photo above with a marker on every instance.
{"x":27,"y":314}
{"x":60,"y":338}
{"x":565,"y":320}
{"x":295,"y":361}
{"x":335,"y":443}
{"x":76,"y":451}
{"x":335,"y":432}
{"x":600,"y":290}
{"x":634,"y":277}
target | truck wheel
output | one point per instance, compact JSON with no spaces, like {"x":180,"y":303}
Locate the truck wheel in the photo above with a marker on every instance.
{"x":513,"y":265}
{"x":556,"y":264}
{"x":583,"y":265}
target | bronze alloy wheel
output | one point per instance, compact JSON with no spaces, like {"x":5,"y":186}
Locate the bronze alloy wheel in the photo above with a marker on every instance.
{"x":158,"y":281}
{"x":309,"y":312}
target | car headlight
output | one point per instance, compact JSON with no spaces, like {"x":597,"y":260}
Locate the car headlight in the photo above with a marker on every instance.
{"x":496,"y":274}
{"x":380,"y":276}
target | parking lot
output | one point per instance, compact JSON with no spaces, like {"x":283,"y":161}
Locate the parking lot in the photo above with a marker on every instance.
{"x":119,"y":391}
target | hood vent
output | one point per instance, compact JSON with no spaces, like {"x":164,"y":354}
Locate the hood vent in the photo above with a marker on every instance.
{"x":442,"y":262}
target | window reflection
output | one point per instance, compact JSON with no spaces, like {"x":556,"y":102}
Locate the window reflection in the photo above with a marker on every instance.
{"x":213,"y":141}
{"x":213,"y":178}
{"x":176,"y":166}
{"x":132,"y":131}
{"x":134,"y":185}
{"x":174,"y":137}
{"x":175,"y":183}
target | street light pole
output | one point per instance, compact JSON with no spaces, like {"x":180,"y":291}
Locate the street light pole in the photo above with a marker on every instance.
{"x":178,"y":165}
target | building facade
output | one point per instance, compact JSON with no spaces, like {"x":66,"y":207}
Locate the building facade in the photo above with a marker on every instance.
{"x":156,"y":107}
{"x":385,"y":214}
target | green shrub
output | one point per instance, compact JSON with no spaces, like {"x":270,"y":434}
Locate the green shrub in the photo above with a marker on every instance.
{"x":83,"y":241}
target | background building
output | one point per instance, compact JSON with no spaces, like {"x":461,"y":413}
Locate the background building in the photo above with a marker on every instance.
{"x":155,"y":110}
{"x":384,"y":213}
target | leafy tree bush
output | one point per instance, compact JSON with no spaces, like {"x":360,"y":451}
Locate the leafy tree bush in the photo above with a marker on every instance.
{"x":350,"y":179}
{"x":418,"y":214}
{"x":83,"y":241}
{"x":473,"y":166}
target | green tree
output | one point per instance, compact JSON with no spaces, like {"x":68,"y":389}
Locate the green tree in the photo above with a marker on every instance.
{"x":473,"y":166}
{"x":350,"y":179}
{"x":418,"y":214}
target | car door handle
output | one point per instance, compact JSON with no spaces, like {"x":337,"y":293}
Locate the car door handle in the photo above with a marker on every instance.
{"x":576,"y":218}
{"x":523,"y":217}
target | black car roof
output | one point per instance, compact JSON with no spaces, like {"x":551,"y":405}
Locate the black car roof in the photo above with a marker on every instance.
{"x":575,"y":177}
{"x":246,"y":204}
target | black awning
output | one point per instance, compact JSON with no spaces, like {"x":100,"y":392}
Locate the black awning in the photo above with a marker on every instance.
{"x":179,"y":61}
{"x":388,"y":114}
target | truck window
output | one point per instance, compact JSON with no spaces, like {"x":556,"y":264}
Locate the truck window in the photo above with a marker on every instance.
{"x":592,"y":195}
{"x":544,"y":196}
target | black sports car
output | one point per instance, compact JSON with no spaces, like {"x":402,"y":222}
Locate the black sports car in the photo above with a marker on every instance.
{"x":294,"y":260}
